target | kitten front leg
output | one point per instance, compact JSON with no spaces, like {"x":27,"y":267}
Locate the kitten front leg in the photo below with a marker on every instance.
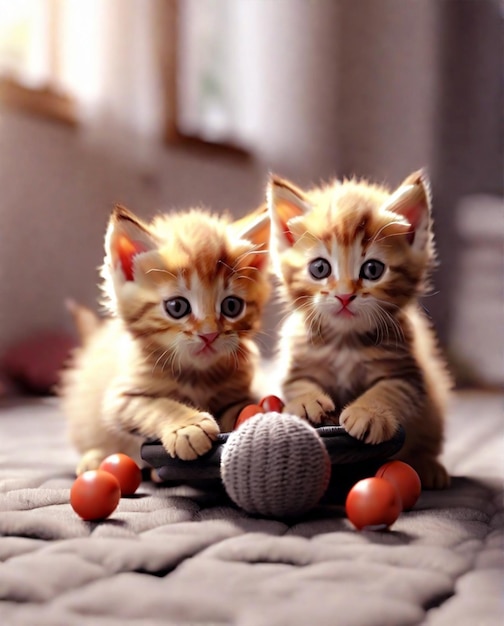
{"x":227,"y":418}
{"x":375,"y":417}
{"x":433,"y":474}
{"x":307,"y":400}
{"x":376,"y":414}
{"x":184,"y":431}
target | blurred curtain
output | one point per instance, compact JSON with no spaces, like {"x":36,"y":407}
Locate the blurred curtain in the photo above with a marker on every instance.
{"x":109,"y":63}
{"x":25,"y":49}
{"x":262,"y":74}
{"x":100,"y":52}
{"x":468,"y":159}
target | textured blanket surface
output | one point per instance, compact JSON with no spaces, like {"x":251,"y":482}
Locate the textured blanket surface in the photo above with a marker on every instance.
{"x":173,"y":555}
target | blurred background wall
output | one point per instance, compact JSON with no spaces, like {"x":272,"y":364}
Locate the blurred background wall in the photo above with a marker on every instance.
{"x":309,"y":89}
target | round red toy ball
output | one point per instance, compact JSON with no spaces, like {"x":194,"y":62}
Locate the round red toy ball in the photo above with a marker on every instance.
{"x":271,"y":404}
{"x":405,"y":480}
{"x":373,"y":503}
{"x":125,"y":470}
{"x":246,"y":413}
{"x":95,"y":495}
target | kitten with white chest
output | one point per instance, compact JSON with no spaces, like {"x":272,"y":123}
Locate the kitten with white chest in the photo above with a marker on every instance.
{"x":355,"y":349}
{"x":176,"y":358}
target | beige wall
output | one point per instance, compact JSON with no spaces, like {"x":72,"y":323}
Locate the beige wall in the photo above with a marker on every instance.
{"x":389,"y":64}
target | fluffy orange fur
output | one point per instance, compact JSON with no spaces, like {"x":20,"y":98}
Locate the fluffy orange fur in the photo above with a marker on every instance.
{"x":353,"y":259}
{"x":176,"y":358}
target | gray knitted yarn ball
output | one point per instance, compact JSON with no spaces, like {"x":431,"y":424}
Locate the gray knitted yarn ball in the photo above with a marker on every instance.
{"x":276,"y":465}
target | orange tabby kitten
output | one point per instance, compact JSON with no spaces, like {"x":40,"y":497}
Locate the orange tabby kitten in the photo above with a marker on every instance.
{"x":176,"y":359}
{"x":353,"y":259}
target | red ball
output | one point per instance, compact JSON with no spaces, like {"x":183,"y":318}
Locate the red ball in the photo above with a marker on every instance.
{"x":405,"y":480}
{"x":246,"y":413}
{"x":272,"y":403}
{"x":373,"y":503}
{"x":95,"y":495}
{"x":125,"y":470}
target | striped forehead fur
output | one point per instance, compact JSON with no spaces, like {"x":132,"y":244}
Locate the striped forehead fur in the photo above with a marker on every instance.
{"x":345,"y":209}
{"x":201,"y":242}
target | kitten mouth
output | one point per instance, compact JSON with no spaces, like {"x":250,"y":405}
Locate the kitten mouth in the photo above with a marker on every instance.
{"x":344,"y":312}
{"x":206,"y":350}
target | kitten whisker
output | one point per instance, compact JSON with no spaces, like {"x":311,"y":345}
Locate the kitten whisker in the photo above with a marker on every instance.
{"x":394,"y":324}
{"x":254,"y":251}
{"x":162,"y":271}
{"x":233,"y":354}
{"x":239,"y":350}
{"x":384,"y":327}
{"x":375,"y":238}
{"x":159,"y":359}
{"x":252,"y":280}
{"x":305,"y":234}
{"x":178,"y":357}
{"x":429,"y":294}
{"x":261,"y":337}
{"x":260,"y":250}
{"x":310,"y":314}
{"x":231,"y":269}
{"x":169,"y":357}
{"x":239,"y":258}
{"x":250,"y":267}
{"x":314,"y":318}
{"x":288,"y":310}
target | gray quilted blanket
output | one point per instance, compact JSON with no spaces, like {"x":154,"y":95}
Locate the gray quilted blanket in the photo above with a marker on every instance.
{"x":173,"y":555}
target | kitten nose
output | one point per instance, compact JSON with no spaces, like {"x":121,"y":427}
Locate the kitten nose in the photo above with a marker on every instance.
{"x":346,"y":298}
{"x":209,"y":338}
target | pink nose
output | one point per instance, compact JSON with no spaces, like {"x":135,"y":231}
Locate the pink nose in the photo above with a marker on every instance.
{"x":208,"y":338}
{"x":346,"y":298}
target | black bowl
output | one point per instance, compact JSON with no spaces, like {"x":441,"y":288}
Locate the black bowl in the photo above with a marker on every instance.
{"x":351,"y":459}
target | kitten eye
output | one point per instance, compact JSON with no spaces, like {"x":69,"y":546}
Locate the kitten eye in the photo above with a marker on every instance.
{"x":232,"y":306}
{"x":320,"y":268}
{"x":372,"y":269}
{"x":177,"y":307}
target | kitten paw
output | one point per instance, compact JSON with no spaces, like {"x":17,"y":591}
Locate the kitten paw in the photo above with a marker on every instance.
{"x":90,"y":460}
{"x":312,"y":407}
{"x":371,"y":425}
{"x":155,"y":477}
{"x":191,"y":440}
{"x":433,"y":474}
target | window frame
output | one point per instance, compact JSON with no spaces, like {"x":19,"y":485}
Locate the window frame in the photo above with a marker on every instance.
{"x":168,"y":42}
{"x":47,"y":101}
{"x":53,"y":104}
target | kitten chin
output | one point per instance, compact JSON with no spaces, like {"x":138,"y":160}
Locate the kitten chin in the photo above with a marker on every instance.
{"x":353,"y":259}
{"x":175,"y":359}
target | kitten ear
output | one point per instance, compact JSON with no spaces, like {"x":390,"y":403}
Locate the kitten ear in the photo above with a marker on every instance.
{"x":285,"y":203}
{"x":126,"y":237}
{"x":255,"y":227}
{"x":412,"y":200}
